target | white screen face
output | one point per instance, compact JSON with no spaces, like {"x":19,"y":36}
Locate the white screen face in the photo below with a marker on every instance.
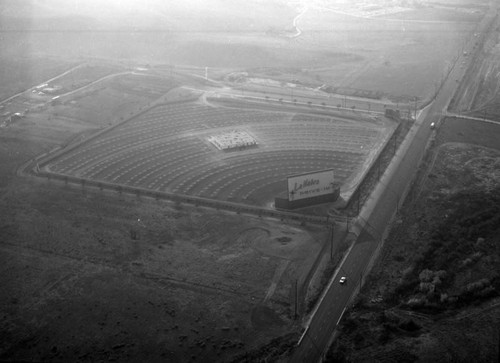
{"x":310,"y":185}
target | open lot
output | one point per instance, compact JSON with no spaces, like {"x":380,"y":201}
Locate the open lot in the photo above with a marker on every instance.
{"x":90,"y":276}
{"x":167,"y":148}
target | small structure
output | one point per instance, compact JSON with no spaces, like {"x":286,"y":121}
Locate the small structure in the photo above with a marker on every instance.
{"x":52,"y":90}
{"x":55,"y":100}
{"x":15,"y":117}
{"x":233,"y":139}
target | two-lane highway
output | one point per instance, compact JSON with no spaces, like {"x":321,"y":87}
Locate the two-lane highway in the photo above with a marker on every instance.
{"x":375,"y":217}
{"x":321,"y":328}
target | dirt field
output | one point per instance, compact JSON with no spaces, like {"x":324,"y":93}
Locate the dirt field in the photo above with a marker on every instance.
{"x":448,"y":229}
{"x":89,"y":276}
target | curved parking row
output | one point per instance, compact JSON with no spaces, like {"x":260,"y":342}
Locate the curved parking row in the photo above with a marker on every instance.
{"x":165,"y":149}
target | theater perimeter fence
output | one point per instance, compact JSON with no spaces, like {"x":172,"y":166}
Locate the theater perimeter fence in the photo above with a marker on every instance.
{"x":373,"y":170}
{"x":37,"y":167}
{"x":181,"y":198}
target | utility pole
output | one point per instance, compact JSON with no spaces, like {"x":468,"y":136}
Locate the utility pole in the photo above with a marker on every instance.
{"x":359,"y":197}
{"x":415,"y":108}
{"x":296,"y":299}
{"x":331,"y":243}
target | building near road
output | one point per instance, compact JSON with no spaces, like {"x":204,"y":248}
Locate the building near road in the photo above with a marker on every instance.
{"x":52,"y":90}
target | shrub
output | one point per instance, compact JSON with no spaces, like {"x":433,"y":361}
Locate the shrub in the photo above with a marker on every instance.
{"x":426,"y":275}
{"x":427,"y":287}
{"x":436,"y":281}
{"x":407,"y":272}
{"x":416,"y":301}
{"x":477,"y":285}
{"x":441,"y":274}
{"x":443,"y":298}
{"x":465,"y":262}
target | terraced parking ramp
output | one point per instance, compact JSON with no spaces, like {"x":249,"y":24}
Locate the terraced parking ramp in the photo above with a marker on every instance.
{"x":167,"y":149}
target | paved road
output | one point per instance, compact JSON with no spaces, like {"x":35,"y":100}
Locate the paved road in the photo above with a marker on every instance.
{"x":291,"y":94}
{"x":481,"y":119}
{"x":330,"y":311}
{"x":47,"y":81}
{"x":317,"y":97}
{"x":95,"y":82}
{"x":374,"y":218}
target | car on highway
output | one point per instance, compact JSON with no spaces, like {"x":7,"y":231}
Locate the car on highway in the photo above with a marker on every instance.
{"x":343,"y":280}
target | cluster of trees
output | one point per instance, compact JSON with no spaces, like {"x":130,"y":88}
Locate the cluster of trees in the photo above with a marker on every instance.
{"x":467,"y":239}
